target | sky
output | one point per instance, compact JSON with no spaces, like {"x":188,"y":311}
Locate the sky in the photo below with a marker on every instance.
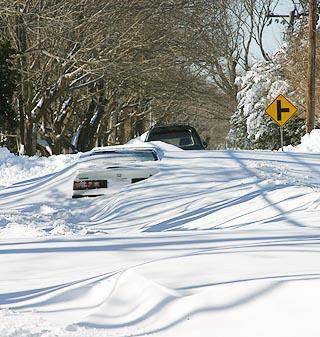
{"x":274,"y":33}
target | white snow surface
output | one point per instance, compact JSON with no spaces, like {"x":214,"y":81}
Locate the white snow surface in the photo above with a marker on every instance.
{"x":17,"y":168}
{"x":218,"y":243}
{"x":310,"y":142}
{"x":139,"y":139}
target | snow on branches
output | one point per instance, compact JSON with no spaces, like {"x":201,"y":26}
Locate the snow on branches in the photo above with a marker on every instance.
{"x":251,"y":128}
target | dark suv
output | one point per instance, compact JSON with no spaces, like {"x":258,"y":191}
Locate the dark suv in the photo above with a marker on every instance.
{"x":181,"y":135}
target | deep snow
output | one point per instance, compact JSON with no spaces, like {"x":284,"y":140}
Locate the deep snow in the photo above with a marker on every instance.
{"x":14,"y":168}
{"x":218,"y":243}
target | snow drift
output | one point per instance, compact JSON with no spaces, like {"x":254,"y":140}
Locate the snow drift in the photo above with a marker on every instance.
{"x":217,"y":243}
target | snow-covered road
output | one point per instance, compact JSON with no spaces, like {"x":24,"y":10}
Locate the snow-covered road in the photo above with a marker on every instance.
{"x":218,"y":243}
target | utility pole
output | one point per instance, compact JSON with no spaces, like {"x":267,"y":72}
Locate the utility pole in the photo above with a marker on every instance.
{"x":311,"y":94}
{"x":311,"y":82}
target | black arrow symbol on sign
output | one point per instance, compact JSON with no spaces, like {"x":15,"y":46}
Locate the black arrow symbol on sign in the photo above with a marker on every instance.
{"x":280,"y":110}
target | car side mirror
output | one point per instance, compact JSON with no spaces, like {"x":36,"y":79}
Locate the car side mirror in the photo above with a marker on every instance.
{"x":205,"y":144}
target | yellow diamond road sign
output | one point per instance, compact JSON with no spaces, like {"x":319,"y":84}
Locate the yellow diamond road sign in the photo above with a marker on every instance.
{"x":281,"y":110}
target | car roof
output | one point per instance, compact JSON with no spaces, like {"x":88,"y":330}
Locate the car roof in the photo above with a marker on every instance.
{"x":171,"y":126}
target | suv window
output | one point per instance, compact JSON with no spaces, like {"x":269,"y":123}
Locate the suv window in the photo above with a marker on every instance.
{"x":181,"y":135}
{"x":177,"y":138}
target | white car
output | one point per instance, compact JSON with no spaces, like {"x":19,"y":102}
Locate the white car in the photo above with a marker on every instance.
{"x":108,"y":168}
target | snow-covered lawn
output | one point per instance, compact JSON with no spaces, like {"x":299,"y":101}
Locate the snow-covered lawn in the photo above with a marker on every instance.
{"x":218,"y":243}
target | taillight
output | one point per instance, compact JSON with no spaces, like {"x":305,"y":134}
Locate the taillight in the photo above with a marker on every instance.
{"x":136,"y":180}
{"x":89,"y":184}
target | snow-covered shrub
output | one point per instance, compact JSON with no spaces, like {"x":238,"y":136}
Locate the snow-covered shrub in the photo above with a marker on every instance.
{"x":251,"y":127}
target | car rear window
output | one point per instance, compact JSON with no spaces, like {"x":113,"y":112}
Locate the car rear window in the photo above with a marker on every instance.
{"x":177,"y":138}
{"x":125,"y":156}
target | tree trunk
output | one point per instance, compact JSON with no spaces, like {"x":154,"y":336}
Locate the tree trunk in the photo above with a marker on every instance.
{"x":31,"y":138}
{"x":21,"y":33}
{"x":88,"y":130}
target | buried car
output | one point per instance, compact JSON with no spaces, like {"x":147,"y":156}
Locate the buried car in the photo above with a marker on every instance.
{"x":110,"y":168}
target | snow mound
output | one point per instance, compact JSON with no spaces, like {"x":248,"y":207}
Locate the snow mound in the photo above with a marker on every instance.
{"x":18,"y":168}
{"x":310,"y":142}
{"x":16,"y":230}
{"x":39,"y":221}
{"x":139,"y":294}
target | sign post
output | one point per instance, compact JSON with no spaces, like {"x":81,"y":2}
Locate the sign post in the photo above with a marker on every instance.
{"x":281,"y":110}
{"x":281,"y":137}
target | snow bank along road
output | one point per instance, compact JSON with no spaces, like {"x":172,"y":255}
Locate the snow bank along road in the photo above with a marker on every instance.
{"x":216,"y":244}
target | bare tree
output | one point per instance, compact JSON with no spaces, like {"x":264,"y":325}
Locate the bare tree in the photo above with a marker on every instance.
{"x":96,"y":72}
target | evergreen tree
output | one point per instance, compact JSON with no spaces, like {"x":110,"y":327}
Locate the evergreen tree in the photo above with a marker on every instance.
{"x":250,"y":126}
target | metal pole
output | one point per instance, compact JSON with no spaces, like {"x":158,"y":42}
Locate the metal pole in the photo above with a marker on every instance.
{"x":281,"y":137}
{"x":311,"y":97}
